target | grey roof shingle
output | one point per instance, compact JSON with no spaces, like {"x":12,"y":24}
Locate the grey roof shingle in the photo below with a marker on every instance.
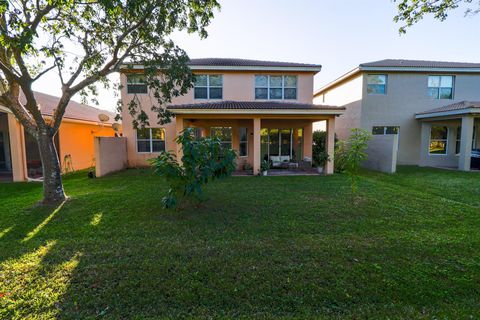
{"x":457,"y":106}
{"x":254,"y":105}
{"x":233,"y":62}
{"x":398,"y":63}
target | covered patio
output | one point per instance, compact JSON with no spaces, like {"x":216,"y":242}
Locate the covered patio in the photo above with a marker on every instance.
{"x":277,"y":132}
{"x":449,"y":134}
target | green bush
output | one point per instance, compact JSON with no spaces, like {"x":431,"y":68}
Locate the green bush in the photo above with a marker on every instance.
{"x":203,"y":160}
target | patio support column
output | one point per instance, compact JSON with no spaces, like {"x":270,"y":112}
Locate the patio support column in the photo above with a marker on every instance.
{"x":424,"y":143}
{"x":256,"y":145}
{"x":330,"y":145}
{"x":17,"y":149}
{"x":178,"y":130}
{"x":464,"y":158}
{"x":308,"y":140}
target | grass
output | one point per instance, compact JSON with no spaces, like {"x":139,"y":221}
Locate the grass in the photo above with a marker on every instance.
{"x":288,"y":247}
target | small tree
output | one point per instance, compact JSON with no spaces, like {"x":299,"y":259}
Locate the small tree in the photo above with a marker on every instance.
{"x":203,"y":160}
{"x":84,"y":42}
{"x":354,"y":153}
{"x":319,"y":145}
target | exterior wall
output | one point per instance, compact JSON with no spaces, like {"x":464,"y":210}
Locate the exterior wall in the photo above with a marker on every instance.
{"x":382,"y":153}
{"x":349,"y":95}
{"x":77,"y":140}
{"x":17,"y":149}
{"x":406,"y":96}
{"x":237,"y":86}
{"x":110,"y":155}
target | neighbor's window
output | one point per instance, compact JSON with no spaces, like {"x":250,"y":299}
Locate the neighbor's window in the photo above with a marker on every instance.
{"x":224,"y":134}
{"x":382,"y":130}
{"x":136,"y":84}
{"x":150,"y":140}
{"x":440,"y":87}
{"x":377,"y":84}
{"x":208,"y":87}
{"x":459,"y":137}
{"x":438,"y":140}
{"x":275,"y":87}
{"x":243,"y":134}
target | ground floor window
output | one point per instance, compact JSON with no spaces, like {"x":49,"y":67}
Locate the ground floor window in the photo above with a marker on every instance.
{"x":150,"y":140}
{"x":243,"y":147}
{"x":224,"y":134}
{"x":459,"y":138}
{"x":438,"y":140}
{"x":383,"y":130}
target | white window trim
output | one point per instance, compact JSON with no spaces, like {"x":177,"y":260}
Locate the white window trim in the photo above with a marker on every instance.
{"x":208,"y":86}
{"x":268,"y":87}
{"x":446,"y":145}
{"x":386,"y":84}
{"x":442,"y":75}
{"x":150,"y":140}
{"x":245,"y":141}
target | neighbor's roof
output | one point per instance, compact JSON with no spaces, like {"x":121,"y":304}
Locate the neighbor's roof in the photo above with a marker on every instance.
{"x":245,"y":64}
{"x":457,"y":108}
{"x":74,"y":111}
{"x":257,"y":107}
{"x":402,"y":65}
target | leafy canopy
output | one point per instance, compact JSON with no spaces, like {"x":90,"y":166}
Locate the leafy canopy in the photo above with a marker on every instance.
{"x":412,"y":11}
{"x":203,"y":160}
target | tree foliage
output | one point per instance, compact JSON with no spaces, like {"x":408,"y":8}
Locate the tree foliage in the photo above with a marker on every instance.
{"x":412,"y":11}
{"x":319,"y":146}
{"x":84,"y":42}
{"x":204,"y":160}
{"x":352,"y":153}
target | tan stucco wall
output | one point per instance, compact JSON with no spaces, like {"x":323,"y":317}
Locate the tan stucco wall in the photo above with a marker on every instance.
{"x":110,"y":155}
{"x":239,"y":86}
{"x":76,"y":139}
{"x":349,"y":95}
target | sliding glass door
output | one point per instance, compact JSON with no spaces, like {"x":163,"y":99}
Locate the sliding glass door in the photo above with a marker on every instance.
{"x":286,"y":143}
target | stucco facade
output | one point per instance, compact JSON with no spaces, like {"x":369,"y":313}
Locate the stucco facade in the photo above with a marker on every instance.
{"x":238,"y":85}
{"x":406,"y":95}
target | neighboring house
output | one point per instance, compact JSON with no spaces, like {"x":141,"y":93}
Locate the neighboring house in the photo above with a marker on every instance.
{"x":425,"y":103}
{"x":19,"y":155}
{"x":261,"y":109}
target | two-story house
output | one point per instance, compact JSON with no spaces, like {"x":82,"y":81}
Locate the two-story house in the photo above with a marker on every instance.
{"x":261,"y":109}
{"x":428,"y":104}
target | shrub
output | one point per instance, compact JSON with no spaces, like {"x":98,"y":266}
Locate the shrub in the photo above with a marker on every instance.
{"x":203,"y":160}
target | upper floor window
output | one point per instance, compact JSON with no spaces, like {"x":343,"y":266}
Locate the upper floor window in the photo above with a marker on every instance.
{"x":208,"y":87}
{"x":136,"y":84}
{"x":275,"y":87}
{"x":150,"y":140}
{"x":383,"y":130}
{"x":440,"y":87}
{"x":377,"y":84}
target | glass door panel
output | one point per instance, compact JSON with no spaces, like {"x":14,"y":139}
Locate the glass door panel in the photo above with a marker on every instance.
{"x":274,"y":142}
{"x":286,"y":142}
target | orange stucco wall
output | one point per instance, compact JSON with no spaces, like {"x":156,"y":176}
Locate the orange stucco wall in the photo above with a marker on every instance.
{"x":77,"y":140}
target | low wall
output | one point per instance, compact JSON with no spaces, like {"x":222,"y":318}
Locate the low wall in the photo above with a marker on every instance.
{"x":110,"y":155}
{"x":382,"y":153}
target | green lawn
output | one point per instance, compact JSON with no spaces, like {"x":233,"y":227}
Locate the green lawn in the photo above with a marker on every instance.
{"x":409,"y":247}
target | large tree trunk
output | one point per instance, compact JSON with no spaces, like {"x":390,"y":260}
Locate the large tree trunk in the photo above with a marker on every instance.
{"x":52,"y":176}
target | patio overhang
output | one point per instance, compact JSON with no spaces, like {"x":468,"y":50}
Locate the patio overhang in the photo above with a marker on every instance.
{"x":451,"y":111}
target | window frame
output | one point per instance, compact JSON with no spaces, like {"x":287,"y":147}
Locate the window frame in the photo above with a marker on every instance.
{"x":445,"y":140}
{"x":150,"y":140}
{"x":135,"y":84}
{"x":240,"y":141}
{"x":440,"y":86}
{"x":458,"y":139}
{"x":268,"y":87}
{"x":223,"y":142}
{"x":386,"y":84}
{"x":385,"y":128}
{"x":208,"y":87}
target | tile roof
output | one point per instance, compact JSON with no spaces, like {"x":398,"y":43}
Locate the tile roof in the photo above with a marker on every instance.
{"x":254,"y":105}
{"x":399,"y":63}
{"x":233,"y":62}
{"x":457,"y":106}
{"x":74,"y":111}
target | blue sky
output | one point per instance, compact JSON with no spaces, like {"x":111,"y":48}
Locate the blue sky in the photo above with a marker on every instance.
{"x":338,"y":34}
